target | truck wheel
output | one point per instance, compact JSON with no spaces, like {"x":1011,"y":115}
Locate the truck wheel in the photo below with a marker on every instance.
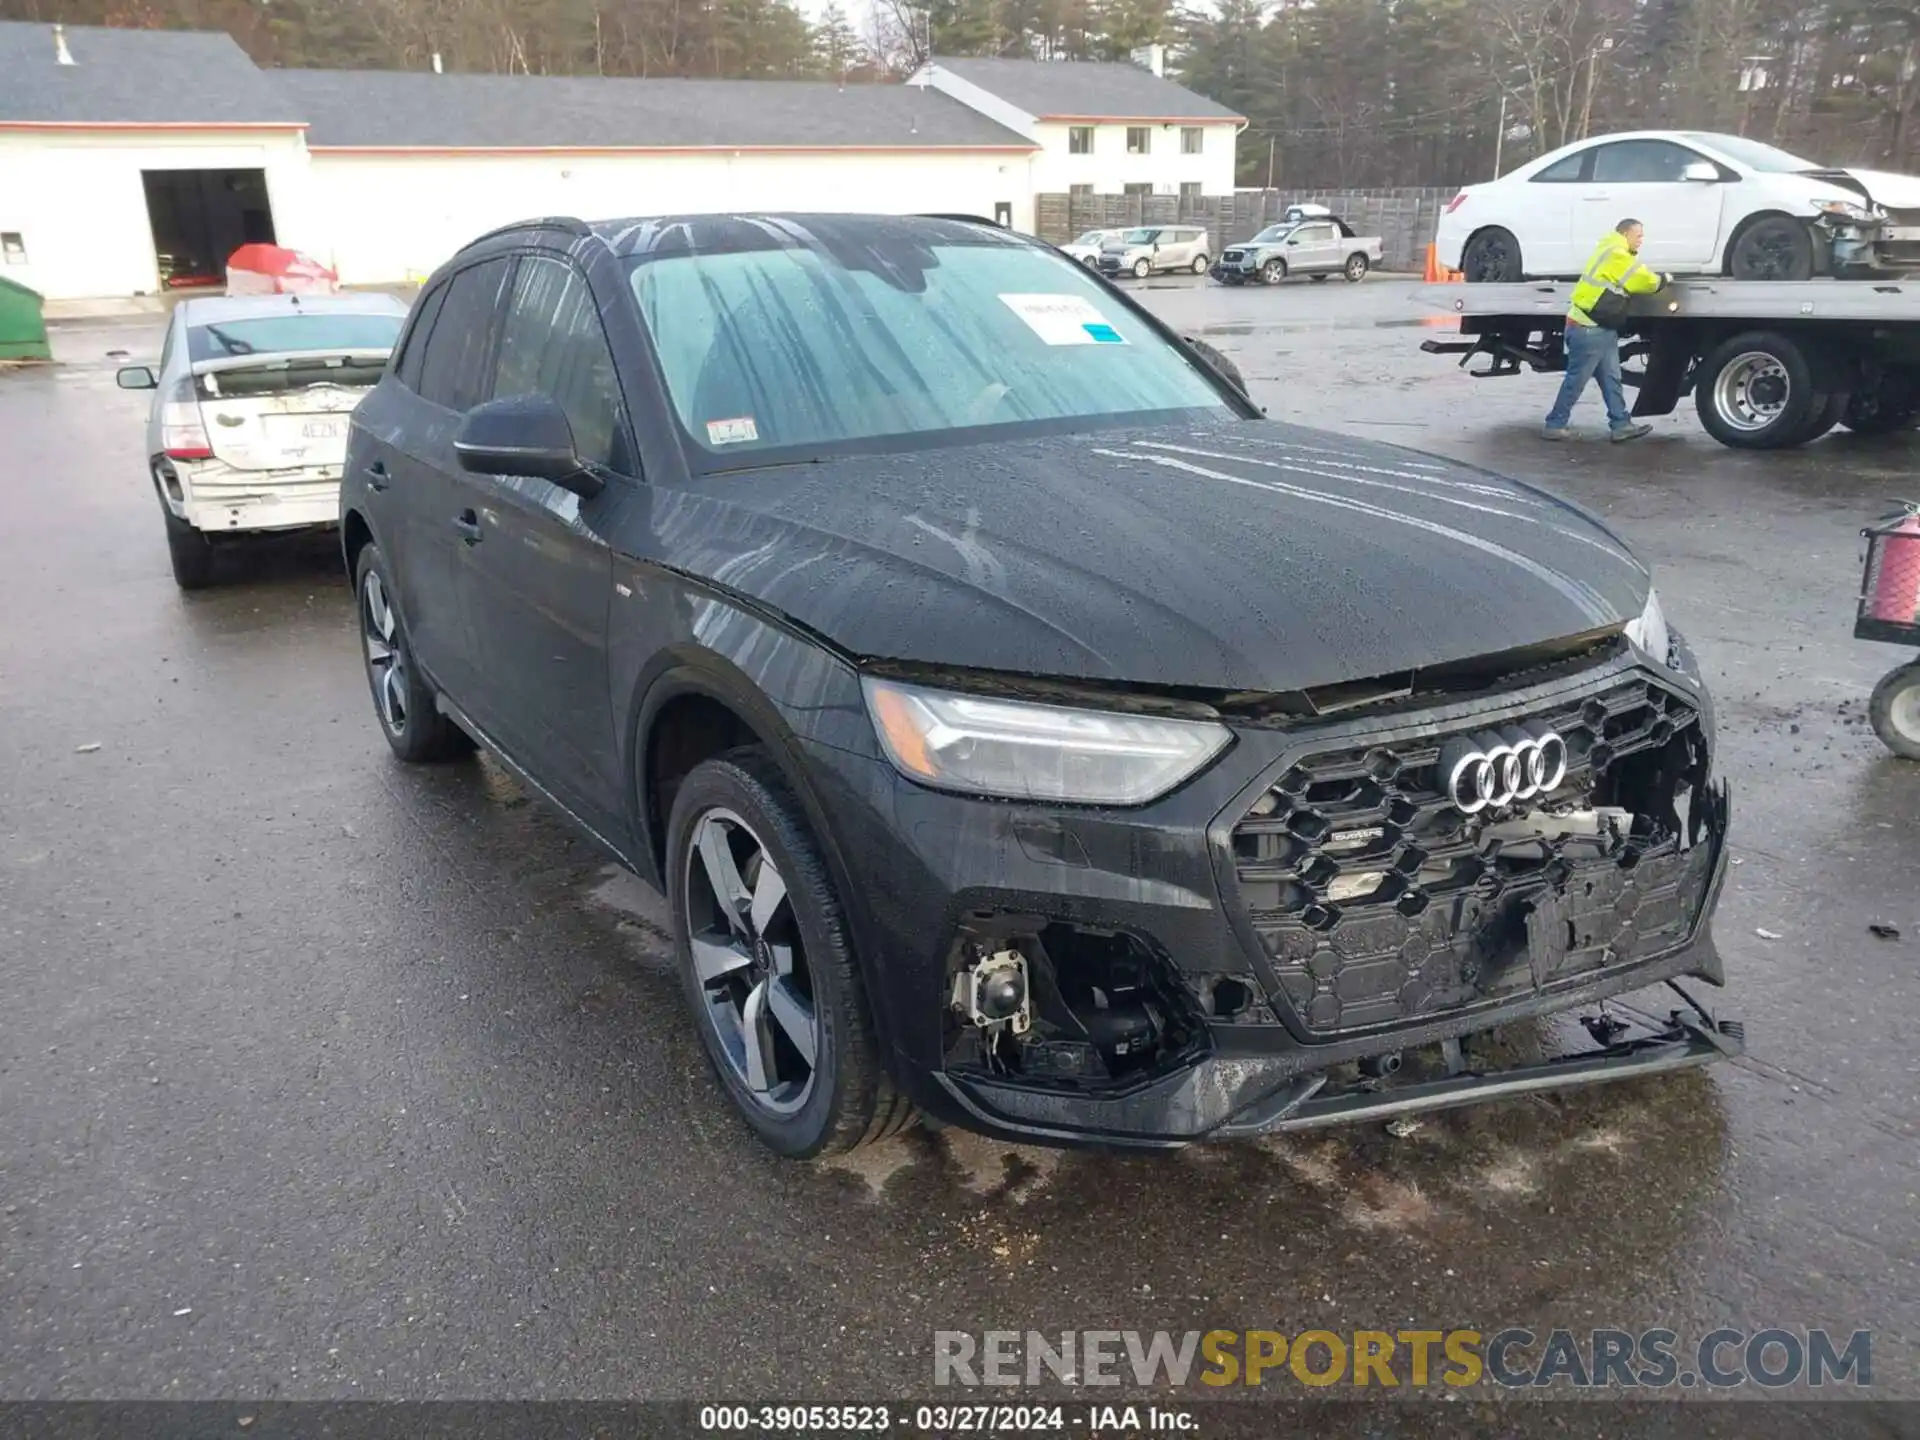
{"x":1776,"y":248}
{"x":1356,"y":270}
{"x":1755,"y":392}
{"x":190,"y":552}
{"x":1889,"y":407}
{"x":1273,"y":272}
{"x":1491,"y":258}
{"x":1895,"y":711}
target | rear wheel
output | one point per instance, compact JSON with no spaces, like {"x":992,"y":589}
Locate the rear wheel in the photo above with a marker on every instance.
{"x":403,"y":700}
{"x":1492,"y":257}
{"x":1778,"y":247}
{"x":1895,"y":711}
{"x":1356,"y":270}
{"x":768,"y":965}
{"x":190,"y":552}
{"x":1756,"y":392}
{"x":1273,"y":272}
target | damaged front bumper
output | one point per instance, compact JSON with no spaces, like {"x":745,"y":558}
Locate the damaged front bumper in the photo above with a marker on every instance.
{"x":1305,"y":935}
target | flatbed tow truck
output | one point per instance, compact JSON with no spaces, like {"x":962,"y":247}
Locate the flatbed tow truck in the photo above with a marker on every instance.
{"x":1770,"y":364}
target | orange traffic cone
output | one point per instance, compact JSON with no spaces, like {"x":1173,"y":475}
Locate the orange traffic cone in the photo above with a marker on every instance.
{"x":1433,"y":276}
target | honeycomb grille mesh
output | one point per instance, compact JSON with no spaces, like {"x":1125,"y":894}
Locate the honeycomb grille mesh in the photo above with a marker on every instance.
{"x":1377,"y":900}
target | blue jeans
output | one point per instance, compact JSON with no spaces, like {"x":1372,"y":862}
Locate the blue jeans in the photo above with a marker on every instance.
{"x":1591,"y":352}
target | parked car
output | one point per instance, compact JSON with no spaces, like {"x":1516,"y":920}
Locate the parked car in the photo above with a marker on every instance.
{"x":248,"y":426}
{"x":1022,"y":727}
{"x":1712,"y":204}
{"x":1086,"y":248}
{"x":1155,"y":249}
{"x":1308,"y":246}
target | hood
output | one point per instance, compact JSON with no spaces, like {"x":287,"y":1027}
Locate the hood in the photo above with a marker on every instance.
{"x":1246,"y":555}
{"x":1896,"y":192}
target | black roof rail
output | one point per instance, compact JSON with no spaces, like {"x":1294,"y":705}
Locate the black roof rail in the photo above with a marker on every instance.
{"x":567,"y":223}
{"x":968,"y":219}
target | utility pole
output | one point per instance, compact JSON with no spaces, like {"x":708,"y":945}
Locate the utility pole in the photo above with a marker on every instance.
{"x":1500,"y":135}
{"x":1270,"y":145}
{"x":1586,"y":108}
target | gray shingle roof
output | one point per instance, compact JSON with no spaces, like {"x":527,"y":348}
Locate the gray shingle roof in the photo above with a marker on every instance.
{"x":133,"y":77}
{"x":1084,"y":89}
{"x":418,"y":109}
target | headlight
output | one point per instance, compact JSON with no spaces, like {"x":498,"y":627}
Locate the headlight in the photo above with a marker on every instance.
{"x":1845,"y":209}
{"x":1021,"y":751}
{"x":1649,"y":632}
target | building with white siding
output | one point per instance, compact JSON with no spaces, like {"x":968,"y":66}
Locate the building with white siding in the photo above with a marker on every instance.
{"x":135,"y":161}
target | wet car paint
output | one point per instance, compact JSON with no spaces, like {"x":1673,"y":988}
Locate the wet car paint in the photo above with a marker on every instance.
{"x":386,"y":1078}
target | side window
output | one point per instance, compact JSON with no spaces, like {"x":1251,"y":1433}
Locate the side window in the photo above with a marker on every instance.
{"x":1564,"y":172}
{"x":453,"y":370}
{"x":1641,"y":161}
{"x":413,"y":346}
{"x":553,"y":344}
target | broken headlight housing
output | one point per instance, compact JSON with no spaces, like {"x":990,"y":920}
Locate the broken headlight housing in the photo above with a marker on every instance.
{"x":1846,"y":210}
{"x":1649,"y":629}
{"x":1017,"y":750}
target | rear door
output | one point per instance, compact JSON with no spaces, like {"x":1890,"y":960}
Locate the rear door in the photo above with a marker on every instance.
{"x":1314,"y":245}
{"x":1645,"y":180}
{"x":454,"y":374}
{"x":537,"y":581}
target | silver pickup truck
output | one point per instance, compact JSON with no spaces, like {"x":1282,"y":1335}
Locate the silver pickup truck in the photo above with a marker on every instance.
{"x":1305,"y":243}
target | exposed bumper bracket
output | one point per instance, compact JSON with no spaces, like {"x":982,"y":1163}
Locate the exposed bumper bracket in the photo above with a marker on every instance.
{"x":1688,"y":1037}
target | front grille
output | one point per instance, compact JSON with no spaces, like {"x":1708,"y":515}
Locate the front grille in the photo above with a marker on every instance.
{"x":1378,"y":901}
{"x":1235,"y":255}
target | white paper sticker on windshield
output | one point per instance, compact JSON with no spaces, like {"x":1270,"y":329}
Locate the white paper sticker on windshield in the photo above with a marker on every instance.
{"x":737,"y":431}
{"x":1063,"y":319}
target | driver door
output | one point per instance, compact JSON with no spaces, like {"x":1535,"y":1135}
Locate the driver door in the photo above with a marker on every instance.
{"x":1646,"y":180}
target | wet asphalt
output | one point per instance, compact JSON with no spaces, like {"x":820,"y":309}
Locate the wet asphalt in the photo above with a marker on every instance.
{"x":324,"y":1077}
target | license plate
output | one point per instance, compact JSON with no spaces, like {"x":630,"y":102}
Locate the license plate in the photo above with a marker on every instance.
{"x":330,"y":428}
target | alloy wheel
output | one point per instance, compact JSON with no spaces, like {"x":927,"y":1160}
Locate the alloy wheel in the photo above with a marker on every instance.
{"x":750,"y":962}
{"x":386,"y":660}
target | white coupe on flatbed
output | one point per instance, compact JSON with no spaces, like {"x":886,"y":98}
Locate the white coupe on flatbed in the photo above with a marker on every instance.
{"x":248,"y":427}
{"x":1712,"y":204}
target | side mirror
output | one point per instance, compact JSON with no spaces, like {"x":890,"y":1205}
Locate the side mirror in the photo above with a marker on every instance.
{"x":1704,"y":171}
{"x":523,"y":435}
{"x":135,"y":377}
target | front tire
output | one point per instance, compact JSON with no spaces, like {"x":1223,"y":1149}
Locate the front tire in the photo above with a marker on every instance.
{"x":1895,"y":711}
{"x":1775,"y":248}
{"x":1273,"y":272}
{"x":1755,"y":392}
{"x":1199,"y":266}
{"x":1492,"y":257}
{"x":1142,"y":269}
{"x":402,"y":699}
{"x":1356,"y":270}
{"x":767,"y":964}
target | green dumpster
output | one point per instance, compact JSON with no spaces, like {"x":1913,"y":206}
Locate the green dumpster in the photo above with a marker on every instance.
{"x":23,"y":329}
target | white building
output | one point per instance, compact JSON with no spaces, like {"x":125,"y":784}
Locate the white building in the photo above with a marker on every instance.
{"x":1101,"y":128}
{"x":133,"y":161}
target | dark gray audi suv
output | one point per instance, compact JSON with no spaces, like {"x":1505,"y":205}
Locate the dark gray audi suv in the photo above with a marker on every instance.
{"x":1024,"y":729}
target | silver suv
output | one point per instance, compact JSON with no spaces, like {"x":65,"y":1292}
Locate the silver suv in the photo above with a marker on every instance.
{"x":1152,"y":248}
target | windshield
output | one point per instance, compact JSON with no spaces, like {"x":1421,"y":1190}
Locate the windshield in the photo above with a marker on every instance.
{"x":857,"y":336}
{"x":1275,"y":232}
{"x":1092,"y":237}
{"x":1753,"y":154}
{"x":292,"y":332}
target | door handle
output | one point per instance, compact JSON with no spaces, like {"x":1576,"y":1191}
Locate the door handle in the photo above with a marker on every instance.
{"x":377,"y":476}
{"x":468,"y":524}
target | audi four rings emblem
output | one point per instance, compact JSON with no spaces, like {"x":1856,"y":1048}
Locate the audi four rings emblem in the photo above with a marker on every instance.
{"x":1492,"y":769}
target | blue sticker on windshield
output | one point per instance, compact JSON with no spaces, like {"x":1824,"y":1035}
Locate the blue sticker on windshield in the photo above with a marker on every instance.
{"x":1103,"y":334}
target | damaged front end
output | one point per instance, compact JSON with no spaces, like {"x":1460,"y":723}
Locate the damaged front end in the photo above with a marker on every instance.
{"x":1405,"y":886}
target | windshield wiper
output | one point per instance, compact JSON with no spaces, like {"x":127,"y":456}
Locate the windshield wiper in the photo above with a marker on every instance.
{"x":232,"y":344}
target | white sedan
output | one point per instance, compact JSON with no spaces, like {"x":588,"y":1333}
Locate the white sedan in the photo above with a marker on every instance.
{"x":1712,"y":204}
{"x":1086,"y":248}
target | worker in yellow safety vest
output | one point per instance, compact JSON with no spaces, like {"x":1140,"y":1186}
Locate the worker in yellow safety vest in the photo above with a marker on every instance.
{"x":1593,"y":337}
